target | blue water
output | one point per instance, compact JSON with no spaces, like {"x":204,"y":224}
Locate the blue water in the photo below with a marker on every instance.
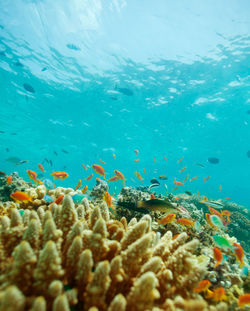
{"x":169,"y":78}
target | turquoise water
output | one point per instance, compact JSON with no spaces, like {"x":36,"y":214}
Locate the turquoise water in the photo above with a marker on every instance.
{"x":170,"y":80}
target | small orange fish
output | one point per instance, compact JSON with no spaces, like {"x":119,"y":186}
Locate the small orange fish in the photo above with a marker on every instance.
{"x":41,"y":168}
{"x":155,"y":160}
{"x":205,"y":198}
{"x":78,"y":185}
{"x":178,"y":183}
{"x":181,"y":159}
{"x":100,"y":160}
{"x":186,"y":178}
{"x":89,"y":177}
{"x":228,"y":198}
{"x":202,"y":286}
{"x":152,"y":197}
{"x":175,"y":236}
{"x":9,"y":180}
{"x":183,"y":169}
{"x":139,"y":177}
{"x":114,"y":156}
{"x":108,"y":199}
{"x":99,"y":170}
{"x":176,"y":199}
{"x":214,"y":212}
{"x":194,"y":178}
{"x":144,"y":171}
{"x":185,"y":222}
{"x":175,"y":188}
{"x":136,"y":151}
{"x":84,"y":167}
{"x":239,"y":252}
{"x":220,"y":187}
{"x":165,"y":159}
{"x":217,"y":256}
{"x":167,"y":219}
{"x":218,"y":294}
{"x":120,"y":175}
{"x":60,"y":175}
{"x":113,"y":178}
{"x":137,"y":160}
{"x":244,"y":300}
{"x":206,"y":178}
{"x":59,"y":199}
{"x":135,"y":172}
{"x":208,"y":219}
{"x":19,"y":196}
{"x":84,"y":189}
{"x":32,"y":175}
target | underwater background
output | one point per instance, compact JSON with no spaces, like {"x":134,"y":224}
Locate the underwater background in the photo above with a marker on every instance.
{"x":83,"y":80}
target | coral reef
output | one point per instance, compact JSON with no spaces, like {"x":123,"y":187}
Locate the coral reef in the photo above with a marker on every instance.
{"x":99,"y":189}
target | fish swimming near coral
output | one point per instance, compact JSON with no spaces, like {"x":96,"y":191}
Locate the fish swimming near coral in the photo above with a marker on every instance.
{"x":202,"y":286}
{"x":20,"y":196}
{"x":78,"y":185}
{"x":99,"y":170}
{"x":219,"y":294}
{"x":167,"y":219}
{"x":188,"y":193}
{"x":9,"y":180}
{"x":163,"y":177}
{"x":154,"y":183}
{"x":222,"y":242}
{"x":60,"y":175}
{"x":156,"y":205}
{"x":212,"y":203}
{"x":218,"y":256}
{"x":121,"y":176}
{"x":40,"y":166}
{"x":89,"y":177}
{"x":84,"y":189}
{"x":125,"y":91}
{"x":185,"y":222}
{"x":29,"y":88}
{"x":239,"y":252}
{"x":244,"y":300}
{"x":59,"y":199}
{"x":217,"y":222}
{"x":113,"y":178}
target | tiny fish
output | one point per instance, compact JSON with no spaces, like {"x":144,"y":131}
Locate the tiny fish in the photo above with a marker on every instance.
{"x":222,"y":242}
{"x":139,"y":177}
{"x":186,"y":178}
{"x":239,"y":252}
{"x":167,"y":219}
{"x":163,"y":177}
{"x":99,"y":170}
{"x":216,"y":221}
{"x":183,"y":169}
{"x":65,"y":151}
{"x":178,"y":183}
{"x":220,"y":187}
{"x":84,"y":167}
{"x":202,"y":286}
{"x":32,"y":175}
{"x":213,"y":160}
{"x":244,"y":300}
{"x":78,"y":185}
{"x":181,"y":159}
{"x":29,"y":88}
{"x":59,"y":199}
{"x":212,"y":203}
{"x":194,"y":178}
{"x":50,"y":162}
{"x":188,"y":192}
{"x":41,"y":168}
{"x":101,"y":161}
{"x":227,"y":214}
{"x":155,"y":160}
{"x":60,"y":175}
{"x":218,"y":256}
{"x":55,"y":153}
{"x":9,"y":180}
{"x":137,"y":160}
{"x":89,"y":177}
{"x":228,"y":198}
{"x":120,"y":175}
{"x":125,"y":91}
{"x":199,"y":164}
{"x":136,"y":151}
{"x":84,"y":189}
{"x":113,"y":178}
{"x":144,"y":171}
{"x":165,"y":159}
{"x":72,"y":47}
{"x":114,"y":156}
{"x":185,"y":222}
{"x":218,"y":294}
{"x":174,"y":189}
{"x":19,"y":196}
{"x":206,"y":178}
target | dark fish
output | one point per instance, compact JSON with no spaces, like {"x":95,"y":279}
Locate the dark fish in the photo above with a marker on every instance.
{"x":153,"y":186}
{"x":154,"y":181}
{"x":2,"y":132}
{"x":44,"y":68}
{"x":29,"y":88}
{"x":188,"y":192}
{"x":73,"y":47}
{"x":1,"y":27}
{"x":113,"y":98}
{"x":125,"y":91}
{"x":213,"y":160}
{"x":65,"y":151}
{"x":14,"y":160}
{"x":2,"y":53}
{"x":199,"y":164}
{"x":13,"y":134}
{"x":22,"y":162}
{"x":248,"y":111}
{"x":50,"y":162}
{"x":55,"y":153}
{"x":7,"y":149}
{"x":156,"y":205}
{"x":18,"y":64}
{"x":163,"y":177}
{"x":248,"y":154}
{"x":46,"y":160}
{"x":2,"y":173}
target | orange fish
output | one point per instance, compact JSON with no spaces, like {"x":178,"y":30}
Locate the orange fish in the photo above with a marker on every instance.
{"x":183,"y":169}
{"x":220,"y":187}
{"x":84,"y":189}
{"x":78,"y":185}
{"x":155,"y":160}
{"x":100,"y":160}
{"x":227,"y":214}
{"x":175,"y":236}
{"x":120,"y":175}
{"x":114,"y":156}
{"x":165,"y":159}
{"x":176,"y":199}
{"x":167,"y":219}
{"x":218,"y":294}
{"x":108,"y":199}
{"x":205,"y":198}
{"x":19,"y":196}
{"x":41,"y":168}
{"x":202,"y":286}
{"x":185,"y":222}
{"x":144,"y":171}
{"x":186,"y":178}
{"x":137,"y":160}
{"x":84,"y":167}
{"x":214,"y":212}
{"x":9,"y":180}
{"x":244,"y":300}
{"x":89,"y":177}
{"x":178,"y":183}
{"x":206,"y":179}
{"x":217,"y":256}
{"x":152,"y":197}
{"x":175,"y":188}
{"x":139,"y":177}
{"x":228,"y":198}
{"x":195,"y":177}
{"x":99,"y":170}
{"x":60,"y":175}
{"x":113,"y":178}
{"x":59,"y":199}
{"x":239,"y":252}
{"x":136,"y":151}
{"x":208,"y":219}
{"x":32,"y":175}
{"x":181,"y":159}
{"x":135,"y":172}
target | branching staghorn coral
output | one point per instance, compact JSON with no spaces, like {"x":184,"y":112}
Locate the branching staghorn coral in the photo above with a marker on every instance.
{"x":77,"y":256}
